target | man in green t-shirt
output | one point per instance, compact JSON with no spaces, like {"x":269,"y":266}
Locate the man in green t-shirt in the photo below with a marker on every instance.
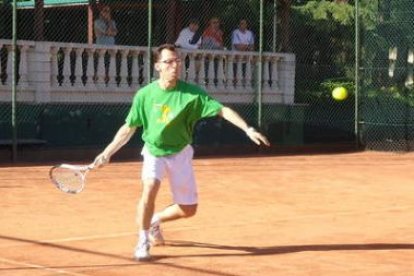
{"x":167,"y":110}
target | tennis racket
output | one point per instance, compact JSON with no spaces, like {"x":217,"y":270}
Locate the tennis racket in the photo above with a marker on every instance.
{"x":70,"y":179}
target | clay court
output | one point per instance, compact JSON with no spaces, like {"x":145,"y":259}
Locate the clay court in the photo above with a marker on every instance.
{"x":326,"y":214}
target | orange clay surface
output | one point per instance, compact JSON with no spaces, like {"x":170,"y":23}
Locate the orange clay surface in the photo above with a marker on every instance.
{"x":334,"y":214}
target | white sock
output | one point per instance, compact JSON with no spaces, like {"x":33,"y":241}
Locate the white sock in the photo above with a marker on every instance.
{"x":155,"y":219}
{"x":143,"y":236}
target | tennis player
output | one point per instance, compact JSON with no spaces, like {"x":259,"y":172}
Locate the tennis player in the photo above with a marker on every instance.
{"x":167,"y":110}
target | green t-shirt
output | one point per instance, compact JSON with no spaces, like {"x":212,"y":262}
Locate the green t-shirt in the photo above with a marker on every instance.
{"x":168,"y":116}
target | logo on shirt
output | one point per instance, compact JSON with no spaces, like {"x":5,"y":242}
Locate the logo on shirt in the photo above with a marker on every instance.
{"x":165,"y":113}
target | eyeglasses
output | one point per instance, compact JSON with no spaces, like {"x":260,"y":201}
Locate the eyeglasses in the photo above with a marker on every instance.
{"x":106,"y":11}
{"x":171,"y":61}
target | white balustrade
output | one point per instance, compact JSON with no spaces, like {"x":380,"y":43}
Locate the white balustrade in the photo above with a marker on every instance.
{"x":93,"y":73}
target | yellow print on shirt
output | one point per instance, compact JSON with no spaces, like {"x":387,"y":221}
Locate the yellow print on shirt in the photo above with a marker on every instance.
{"x":165,"y":114}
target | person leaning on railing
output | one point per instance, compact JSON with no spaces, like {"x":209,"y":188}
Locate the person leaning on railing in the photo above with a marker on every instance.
{"x":105,"y":27}
{"x":242,"y":39}
{"x":190,"y":39}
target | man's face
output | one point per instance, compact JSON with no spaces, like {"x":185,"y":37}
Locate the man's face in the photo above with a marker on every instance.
{"x":215,"y":23}
{"x":169,"y":65}
{"x":194,"y":27}
{"x":243,"y":25}
{"x":106,"y":13}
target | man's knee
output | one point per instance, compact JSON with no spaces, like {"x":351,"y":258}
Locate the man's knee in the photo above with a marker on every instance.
{"x":150,"y":188}
{"x":188,"y":210}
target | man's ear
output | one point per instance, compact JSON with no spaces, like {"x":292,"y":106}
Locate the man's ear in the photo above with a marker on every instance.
{"x":157,"y":66}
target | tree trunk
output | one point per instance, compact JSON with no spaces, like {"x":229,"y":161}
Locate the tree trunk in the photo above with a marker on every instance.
{"x":39,"y":20}
{"x":285,"y":25}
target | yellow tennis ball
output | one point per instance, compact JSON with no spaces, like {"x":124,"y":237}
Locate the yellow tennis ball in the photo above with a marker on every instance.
{"x":340,"y":93}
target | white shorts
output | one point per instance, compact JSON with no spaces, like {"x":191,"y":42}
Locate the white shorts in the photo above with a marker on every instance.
{"x":178,"y":169}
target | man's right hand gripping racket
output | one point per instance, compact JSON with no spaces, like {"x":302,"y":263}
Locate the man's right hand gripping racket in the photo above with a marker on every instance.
{"x":70,"y":179}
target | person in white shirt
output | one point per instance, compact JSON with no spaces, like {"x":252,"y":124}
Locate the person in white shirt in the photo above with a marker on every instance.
{"x":242,"y":39}
{"x":188,"y":37}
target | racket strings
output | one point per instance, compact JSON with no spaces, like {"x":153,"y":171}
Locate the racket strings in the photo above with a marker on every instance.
{"x":68,"y":180}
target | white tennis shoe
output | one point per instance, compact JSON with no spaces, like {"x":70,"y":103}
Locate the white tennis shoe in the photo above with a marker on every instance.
{"x":142,"y":251}
{"x":155,"y":235}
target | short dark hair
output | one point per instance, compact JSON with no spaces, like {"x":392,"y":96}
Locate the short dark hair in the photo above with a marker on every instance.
{"x":193,"y":21}
{"x":162,"y":47}
{"x":102,"y":7}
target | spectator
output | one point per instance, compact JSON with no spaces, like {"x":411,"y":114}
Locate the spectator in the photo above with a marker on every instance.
{"x":212,"y":39}
{"x":212,"y":36}
{"x":105,"y":32}
{"x":105,"y":27}
{"x":242,"y":39}
{"x":189,"y":37}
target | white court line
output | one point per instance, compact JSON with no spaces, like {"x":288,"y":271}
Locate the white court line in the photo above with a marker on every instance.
{"x":80,"y":238}
{"x":93,"y":237}
{"x":41,"y":267}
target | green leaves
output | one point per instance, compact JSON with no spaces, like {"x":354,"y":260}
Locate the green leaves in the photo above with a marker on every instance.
{"x":341,"y":13}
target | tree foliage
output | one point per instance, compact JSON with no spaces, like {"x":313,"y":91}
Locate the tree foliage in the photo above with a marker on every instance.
{"x":323,"y":11}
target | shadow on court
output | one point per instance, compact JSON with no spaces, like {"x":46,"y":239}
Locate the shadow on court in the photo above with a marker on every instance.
{"x":242,"y":250}
{"x":103,"y":254}
{"x":275,"y":250}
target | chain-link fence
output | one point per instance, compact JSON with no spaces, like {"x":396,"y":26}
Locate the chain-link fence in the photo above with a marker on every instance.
{"x":79,"y":63}
{"x":387,"y":59}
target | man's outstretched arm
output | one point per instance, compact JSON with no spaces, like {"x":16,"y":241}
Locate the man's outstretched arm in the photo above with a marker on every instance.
{"x":121,"y":138}
{"x":234,"y":118}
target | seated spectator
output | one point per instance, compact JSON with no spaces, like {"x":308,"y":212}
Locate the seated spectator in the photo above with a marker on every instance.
{"x":189,"y":37}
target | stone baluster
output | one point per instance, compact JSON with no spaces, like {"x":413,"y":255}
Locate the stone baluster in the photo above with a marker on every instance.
{"x":249,"y":78}
{"x":90,"y":69}
{"x":220,"y":73}
{"x":230,"y":73}
{"x":275,"y":74}
{"x":78,"y":67}
{"x":111,"y":80}
{"x":266,"y":76}
{"x":100,"y":72}
{"x":123,"y":73}
{"x":134,"y":69}
{"x":23,"y":71}
{"x":66,"y":67}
